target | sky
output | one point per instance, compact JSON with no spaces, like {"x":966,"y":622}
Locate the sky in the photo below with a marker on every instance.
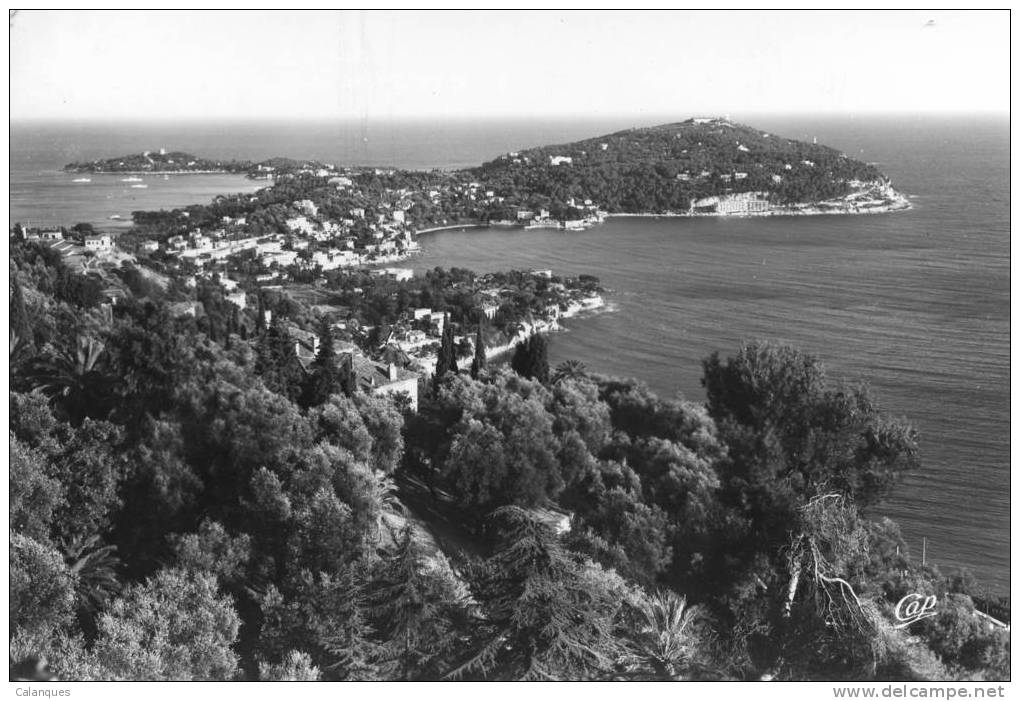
{"x":196,"y":64}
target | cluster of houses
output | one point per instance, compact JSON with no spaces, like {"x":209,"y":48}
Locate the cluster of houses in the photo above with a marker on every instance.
{"x":416,"y":336}
{"x":686,"y":176}
{"x":363,"y":234}
{"x":76,"y":253}
{"x":55,"y":239}
{"x":383,"y":377}
{"x":409,"y":349}
{"x":736,"y":203}
{"x":307,"y":242}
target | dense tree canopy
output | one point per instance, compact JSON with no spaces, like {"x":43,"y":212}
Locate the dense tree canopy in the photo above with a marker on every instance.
{"x":665,"y":168}
{"x":186,"y":503}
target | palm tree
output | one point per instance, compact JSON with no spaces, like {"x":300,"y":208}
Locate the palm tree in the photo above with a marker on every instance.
{"x":95,"y":566}
{"x":20,"y":325}
{"x":18,"y":353}
{"x":513,"y":328}
{"x":76,"y":379}
{"x":569,"y":370}
{"x":667,"y":636}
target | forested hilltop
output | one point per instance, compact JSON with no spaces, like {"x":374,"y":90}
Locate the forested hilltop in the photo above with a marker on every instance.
{"x":158,"y":162}
{"x":681,"y":167}
{"x":190,"y":498}
{"x":162,"y":161}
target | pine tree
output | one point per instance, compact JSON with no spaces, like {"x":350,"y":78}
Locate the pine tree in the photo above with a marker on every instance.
{"x":478,"y":364}
{"x":547,"y":614}
{"x":324,"y":616}
{"x":348,"y":636}
{"x":418,"y":613}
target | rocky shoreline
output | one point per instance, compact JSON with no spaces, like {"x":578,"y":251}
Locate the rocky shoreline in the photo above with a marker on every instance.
{"x":895,"y":202}
{"x":155,"y":172}
{"x":587,"y":304}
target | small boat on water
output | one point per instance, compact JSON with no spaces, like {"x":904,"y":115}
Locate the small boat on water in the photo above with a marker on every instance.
{"x":116,"y":217}
{"x":140,"y":186}
{"x":82,"y":180}
{"x":166,"y":177}
{"x":132,"y":179}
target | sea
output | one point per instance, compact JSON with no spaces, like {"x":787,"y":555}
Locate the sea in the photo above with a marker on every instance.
{"x":916,"y":304}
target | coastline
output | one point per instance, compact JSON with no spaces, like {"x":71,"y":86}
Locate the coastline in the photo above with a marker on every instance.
{"x":155,"y":172}
{"x":772,"y":213}
{"x":587,"y":304}
{"x":385,"y":260}
{"x":896,"y":203}
{"x":419,"y":232}
{"x":900,"y":204}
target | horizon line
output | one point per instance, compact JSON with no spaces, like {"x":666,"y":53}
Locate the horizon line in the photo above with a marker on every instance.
{"x":207,"y":119}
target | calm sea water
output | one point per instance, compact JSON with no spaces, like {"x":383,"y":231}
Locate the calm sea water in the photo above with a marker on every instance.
{"x":915,"y":303}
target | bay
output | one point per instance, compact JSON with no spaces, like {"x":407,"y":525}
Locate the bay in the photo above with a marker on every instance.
{"x":915,"y":303}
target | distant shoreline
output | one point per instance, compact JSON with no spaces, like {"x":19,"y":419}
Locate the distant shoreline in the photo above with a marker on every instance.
{"x":592,"y":303}
{"x":154,"y":172}
{"x":899,"y":203}
{"x":771,"y":213}
{"x":803,"y":210}
{"x":419,"y":232}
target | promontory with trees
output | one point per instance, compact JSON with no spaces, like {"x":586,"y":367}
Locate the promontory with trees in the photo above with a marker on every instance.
{"x":162,"y":161}
{"x":697,"y":167}
{"x":701,"y":166}
{"x":223,"y":473}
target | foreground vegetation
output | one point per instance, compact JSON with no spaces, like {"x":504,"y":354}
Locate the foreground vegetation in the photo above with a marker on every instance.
{"x":182,"y":509}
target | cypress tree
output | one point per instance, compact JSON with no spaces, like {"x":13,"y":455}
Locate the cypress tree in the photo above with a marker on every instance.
{"x":325,"y":378}
{"x":260,"y":319}
{"x":478,"y":364}
{"x":452,"y":349}
{"x":446,"y":361}
{"x":531,"y":358}
{"x":324,"y":357}
{"x":277,"y":363}
{"x":348,"y":381}
{"x":519,"y":360}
